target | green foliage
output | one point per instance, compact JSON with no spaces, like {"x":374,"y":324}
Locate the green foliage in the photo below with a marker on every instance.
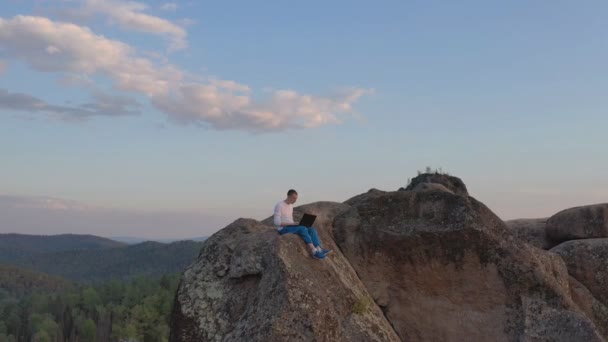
{"x":136,"y":310}
{"x":90,"y":299}
{"x":17,"y":281}
{"x":115,"y":292}
{"x":430,"y":170}
{"x":44,"y":327}
{"x":42,"y":336}
{"x":362,"y":305}
{"x":87,"y":330}
{"x":7,"y":338}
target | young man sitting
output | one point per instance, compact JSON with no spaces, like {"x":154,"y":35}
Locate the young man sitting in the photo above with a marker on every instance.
{"x":283,"y":220}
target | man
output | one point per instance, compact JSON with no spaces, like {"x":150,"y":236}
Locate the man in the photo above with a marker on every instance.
{"x":283,"y":220}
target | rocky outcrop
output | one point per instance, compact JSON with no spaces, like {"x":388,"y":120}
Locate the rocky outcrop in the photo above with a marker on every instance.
{"x":426,"y":264}
{"x":250,"y":284}
{"x":587,"y":262}
{"x":371,"y":193}
{"x":443,"y":267}
{"x":585,"y":222}
{"x":593,"y":308}
{"x":531,"y":231}
{"x":437,"y":181}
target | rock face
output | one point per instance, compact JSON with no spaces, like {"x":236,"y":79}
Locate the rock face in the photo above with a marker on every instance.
{"x":443,"y":267}
{"x":427,"y":263}
{"x":531,"y":231}
{"x":592,"y":307}
{"x":369,"y":194}
{"x":586,"y":222}
{"x":437,"y":181}
{"x":250,"y":284}
{"x":587,"y":262}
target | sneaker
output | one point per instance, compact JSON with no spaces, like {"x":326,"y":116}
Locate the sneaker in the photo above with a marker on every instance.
{"x":318,"y":255}
{"x":325,"y":251}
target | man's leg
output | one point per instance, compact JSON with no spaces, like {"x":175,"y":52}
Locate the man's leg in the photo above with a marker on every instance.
{"x":314,"y":237}
{"x":303,"y":233}
{"x":316,"y":241}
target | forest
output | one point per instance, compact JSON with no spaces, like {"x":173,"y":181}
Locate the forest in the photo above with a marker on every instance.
{"x":116,"y":310}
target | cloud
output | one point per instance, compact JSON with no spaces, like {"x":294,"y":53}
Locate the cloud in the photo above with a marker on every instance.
{"x":170,"y":6}
{"x":230,"y":106}
{"x":111,"y":105}
{"x":40,"y":202}
{"x":104,"y":105}
{"x":130,"y":15}
{"x":2,"y":67}
{"x":75,"y":51}
{"x":49,"y":46}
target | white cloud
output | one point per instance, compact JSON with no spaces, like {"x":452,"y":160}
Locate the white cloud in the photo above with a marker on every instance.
{"x":104,"y":105}
{"x":52,"y":50}
{"x":130,"y":15}
{"x":170,"y":6}
{"x":40,"y":202}
{"x":63,"y":47}
{"x":230,"y":106}
{"x":76,"y":51}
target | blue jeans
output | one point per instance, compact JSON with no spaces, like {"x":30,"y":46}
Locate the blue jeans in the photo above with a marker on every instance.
{"x":309,"y":235}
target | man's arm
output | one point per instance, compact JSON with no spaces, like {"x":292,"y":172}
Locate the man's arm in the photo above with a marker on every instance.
{"x":277,"y":216}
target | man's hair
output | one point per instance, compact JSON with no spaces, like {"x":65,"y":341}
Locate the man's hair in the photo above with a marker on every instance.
{"x":291,"y":192}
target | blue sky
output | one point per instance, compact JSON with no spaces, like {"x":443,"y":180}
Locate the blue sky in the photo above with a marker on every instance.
{"x":160,"y":119}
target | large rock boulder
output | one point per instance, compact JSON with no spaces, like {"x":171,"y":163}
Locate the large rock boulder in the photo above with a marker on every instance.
{"x":437,"y":181}
{"x":426,"y":263}
{"x":250,"y":284}
{"x":592,"y":307}
{"x":443,"y":267}
{"x":362,"y":197}
{"x":587,"y":262}
{"x":586,"y":222}
{"x":531,"y":231}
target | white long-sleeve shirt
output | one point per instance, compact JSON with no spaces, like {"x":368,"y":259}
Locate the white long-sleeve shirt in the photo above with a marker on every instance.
{"x":283,"y":212}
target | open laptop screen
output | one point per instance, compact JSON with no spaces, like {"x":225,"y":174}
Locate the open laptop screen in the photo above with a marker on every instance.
{"x":307,"y":220}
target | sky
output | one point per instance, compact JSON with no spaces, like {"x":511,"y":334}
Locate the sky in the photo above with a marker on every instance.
{"x":164,"y":119}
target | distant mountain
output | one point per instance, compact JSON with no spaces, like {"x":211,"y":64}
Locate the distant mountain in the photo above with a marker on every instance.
{"x":94,"y":265}
{"x":128,"y":239}
{"x":17,"y":247}
{"x":133,"y":240}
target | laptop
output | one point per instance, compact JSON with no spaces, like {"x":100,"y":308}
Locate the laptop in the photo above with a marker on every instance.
{"x":307,"y":220}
